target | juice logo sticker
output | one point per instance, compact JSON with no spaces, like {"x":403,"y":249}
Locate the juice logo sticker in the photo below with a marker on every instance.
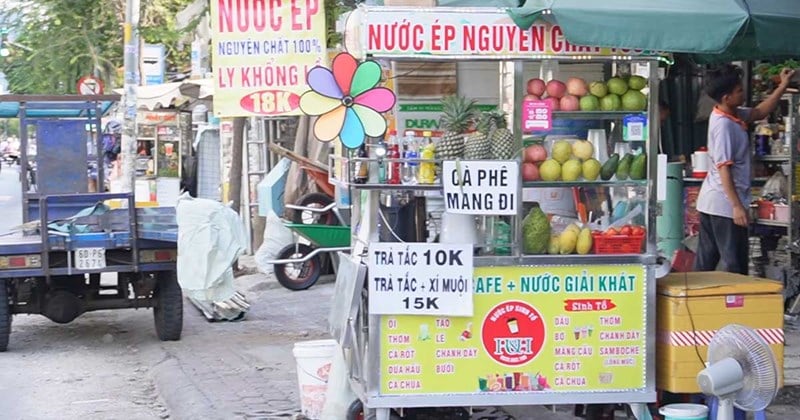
{"x":513,"y":333}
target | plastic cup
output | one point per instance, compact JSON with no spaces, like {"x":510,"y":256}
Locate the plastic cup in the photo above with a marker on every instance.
{"x":513,"y":326}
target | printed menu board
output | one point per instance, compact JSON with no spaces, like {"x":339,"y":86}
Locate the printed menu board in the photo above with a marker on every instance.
{"x":534,"y":329}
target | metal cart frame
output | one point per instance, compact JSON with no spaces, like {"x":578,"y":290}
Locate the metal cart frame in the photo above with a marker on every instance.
{"x":361,"y":339}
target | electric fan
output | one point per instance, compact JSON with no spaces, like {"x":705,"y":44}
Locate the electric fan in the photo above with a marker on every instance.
{"x":741,"y":371}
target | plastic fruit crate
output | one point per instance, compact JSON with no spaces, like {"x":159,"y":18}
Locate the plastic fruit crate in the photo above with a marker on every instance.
{"x":616,"y":244}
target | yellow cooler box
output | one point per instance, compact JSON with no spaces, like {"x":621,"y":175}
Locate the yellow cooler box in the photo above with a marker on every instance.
{"x":693,"y":306}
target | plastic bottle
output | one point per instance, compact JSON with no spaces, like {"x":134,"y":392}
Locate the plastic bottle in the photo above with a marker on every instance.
{"x":427,"y":170}
{"x":393,"y":174}
{"x":378,"y":172}
{"x":362,"y":167}
{"x":386,"y":169}
{"x":411,"y":156}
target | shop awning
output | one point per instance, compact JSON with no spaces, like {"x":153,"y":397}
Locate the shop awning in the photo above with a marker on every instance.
{"x":152,"y":97}
{"x":713,"y":29}
{"x":198,"y":88}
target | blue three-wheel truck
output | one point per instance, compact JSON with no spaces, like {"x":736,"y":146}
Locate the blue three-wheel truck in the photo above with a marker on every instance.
{"x":79,"y":248}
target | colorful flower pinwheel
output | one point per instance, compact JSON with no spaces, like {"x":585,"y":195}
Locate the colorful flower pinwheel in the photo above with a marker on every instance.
{"x":347,"y":101}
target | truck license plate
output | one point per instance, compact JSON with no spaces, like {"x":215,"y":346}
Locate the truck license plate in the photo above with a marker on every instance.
{"x":90,"y":258}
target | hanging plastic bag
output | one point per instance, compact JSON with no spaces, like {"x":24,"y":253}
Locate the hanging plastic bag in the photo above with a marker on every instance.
{"x":776,"y":186}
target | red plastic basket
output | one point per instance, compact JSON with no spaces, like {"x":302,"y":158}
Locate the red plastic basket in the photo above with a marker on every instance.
{"x":617,"y":244}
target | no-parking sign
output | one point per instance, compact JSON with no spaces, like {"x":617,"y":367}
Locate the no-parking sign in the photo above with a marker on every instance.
{"x":90,"y":85}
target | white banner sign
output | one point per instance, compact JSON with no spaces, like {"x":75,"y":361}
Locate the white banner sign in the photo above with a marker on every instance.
{"x":420,"y":279}
{"x":454,"y":31}
{"x":481,"y":187}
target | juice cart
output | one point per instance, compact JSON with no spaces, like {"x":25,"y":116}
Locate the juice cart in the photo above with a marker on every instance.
{"x":560,"y":311}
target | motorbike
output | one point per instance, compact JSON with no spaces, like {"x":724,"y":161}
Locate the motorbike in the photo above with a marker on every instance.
{"x":11,"y":158}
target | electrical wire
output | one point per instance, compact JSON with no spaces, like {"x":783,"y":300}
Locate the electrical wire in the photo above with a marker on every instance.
{"x":387,"y":224}
{"x":691,"y":319}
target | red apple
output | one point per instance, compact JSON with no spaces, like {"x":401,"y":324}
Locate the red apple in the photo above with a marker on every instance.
{"x":570,"y":103}
{"x":556,"y":89}
{"x":535,"y":153}
{"x":555,"y":104}
{"x":577,"y":86}
{"x":530,"y":172}
{"x":536,"y":87}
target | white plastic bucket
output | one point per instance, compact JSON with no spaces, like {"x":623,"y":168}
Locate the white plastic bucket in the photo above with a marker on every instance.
{"x":313,"y":368}
{"x":684,"y":412}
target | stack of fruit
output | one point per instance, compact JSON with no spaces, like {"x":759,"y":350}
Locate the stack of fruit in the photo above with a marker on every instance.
{"x":630,"y":166}
{"x":572,"y":240}
{"x":567,"y":162}
{"x":615,"y":94}
{"x":470,"y":134}
{"x":575,"y":162}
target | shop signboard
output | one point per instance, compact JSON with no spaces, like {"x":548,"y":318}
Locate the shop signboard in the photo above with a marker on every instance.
{"x":481,"y":187}
{"x":420,"y":279}
{"x":544,"y":329}
{"x":454,"y":32}
{"x":420,"y":116}
{"x":261,"y":53}
{"x":154,"y":63}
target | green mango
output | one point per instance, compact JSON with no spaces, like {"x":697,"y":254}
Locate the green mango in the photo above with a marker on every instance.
{"x":639,"y":167}
{"x":624,"y":167}
{"x":609,"y":168}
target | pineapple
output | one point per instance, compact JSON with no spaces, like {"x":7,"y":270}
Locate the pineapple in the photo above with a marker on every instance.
{"x":479,"y":145}
{"x":459,"y":113}
{"x":502,"y":138}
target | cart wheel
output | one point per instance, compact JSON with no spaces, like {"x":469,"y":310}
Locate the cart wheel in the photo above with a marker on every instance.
{"x":168,"y":306}
{"x":314,"y":200}
{"x":356,"y":412}
{"x":5,"y":316}
{"x":600,"y":411}
{"x":298,"y":276}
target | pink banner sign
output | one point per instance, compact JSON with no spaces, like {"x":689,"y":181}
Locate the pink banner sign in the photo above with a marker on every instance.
{"x":537,"y":116}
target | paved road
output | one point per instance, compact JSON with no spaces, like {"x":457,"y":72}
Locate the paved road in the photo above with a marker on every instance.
{"x":91,"y":369}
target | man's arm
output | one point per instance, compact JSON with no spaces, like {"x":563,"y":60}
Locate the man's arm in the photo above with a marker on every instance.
{"x":766,"y":107}
{"x":739,"y":212}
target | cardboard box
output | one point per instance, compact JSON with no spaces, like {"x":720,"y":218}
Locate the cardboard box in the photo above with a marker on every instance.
{"x":693,"y":306}
{"x":271,"y":189}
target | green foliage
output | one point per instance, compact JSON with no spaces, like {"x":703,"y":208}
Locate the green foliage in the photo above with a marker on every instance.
{"x":334,"y":9}
{"x":71,"y":38}
{"x":68,"y":39}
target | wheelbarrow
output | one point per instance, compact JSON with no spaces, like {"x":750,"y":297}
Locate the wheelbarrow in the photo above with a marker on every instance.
{"x":298,"y":266}
{"x":316,"y":200}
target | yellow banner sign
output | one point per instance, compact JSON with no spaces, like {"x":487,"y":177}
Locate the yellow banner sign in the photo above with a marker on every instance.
{"x":262,"y":51}
{"x":535,"y":329}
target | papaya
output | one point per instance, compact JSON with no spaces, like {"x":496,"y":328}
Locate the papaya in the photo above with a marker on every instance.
{"x":639,"y":167}
{"x":609,"y":168}
{"x":624,"y":168}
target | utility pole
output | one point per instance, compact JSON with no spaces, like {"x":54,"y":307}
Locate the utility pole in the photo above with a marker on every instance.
{"x":131,"y":67}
